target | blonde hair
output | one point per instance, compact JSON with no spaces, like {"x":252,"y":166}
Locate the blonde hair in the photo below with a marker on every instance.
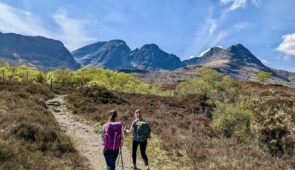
{"x":138,"y":115}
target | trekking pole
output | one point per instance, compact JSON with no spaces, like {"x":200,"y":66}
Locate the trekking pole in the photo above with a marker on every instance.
{"x":118,"y":161}
{"x":122,"y":159}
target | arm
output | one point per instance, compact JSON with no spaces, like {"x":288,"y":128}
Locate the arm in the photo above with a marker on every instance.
{"x":131,"y":130}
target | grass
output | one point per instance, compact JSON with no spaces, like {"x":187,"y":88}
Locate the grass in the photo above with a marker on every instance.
{"x":183,"y":135}
{"x":30,"y":138}
{"x":181,"y":126}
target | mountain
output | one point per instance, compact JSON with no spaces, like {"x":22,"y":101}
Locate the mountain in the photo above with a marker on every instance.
{"x":151,"y":57}
{"x":37,"y":51}
{"x":234,"y":57}
{"x":286,"y":74}
{"x":236,"y":61}
{"x":115,"y":54}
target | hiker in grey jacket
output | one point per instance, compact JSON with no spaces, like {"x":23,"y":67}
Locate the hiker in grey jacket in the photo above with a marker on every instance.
{"x":141,"y":132}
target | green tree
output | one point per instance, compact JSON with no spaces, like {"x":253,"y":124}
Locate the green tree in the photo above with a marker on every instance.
{"x":233,"y":118}
{"x":62,"y":75}
{"x":263,"y":76}
{"x":209,"y":82}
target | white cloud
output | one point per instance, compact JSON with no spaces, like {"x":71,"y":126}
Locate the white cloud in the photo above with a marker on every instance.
{"x":213,"y":26}
{"x":235,"y":4}
{"x":256,"y":2}
{"x":287,"y":46}
{"x":241,"y":26}
{"x":20,"y":21}
{"x":70,"y":31}
{"x":286,"y":58}
{"x":220,"y":36}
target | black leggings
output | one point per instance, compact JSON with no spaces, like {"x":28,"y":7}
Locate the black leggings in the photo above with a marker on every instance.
{"x":142,"y":151}
{"x":110,"y":157}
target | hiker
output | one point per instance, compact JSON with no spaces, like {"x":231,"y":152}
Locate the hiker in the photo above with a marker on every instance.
{"x":141,"y":132}
{"x":112,"y":137}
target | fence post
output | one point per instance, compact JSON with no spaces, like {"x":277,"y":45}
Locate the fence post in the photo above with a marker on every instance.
{"x":51,"y":86}
{"x":41,"y":78}
{"x":27,"y":76}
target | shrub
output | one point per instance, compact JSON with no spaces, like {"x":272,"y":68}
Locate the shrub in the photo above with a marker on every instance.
{"x":263,"y":75}
{"x":209,"y":82}
{"x":232,"y":119}
{"x":5,"y":153}
{"x":276,"y":132}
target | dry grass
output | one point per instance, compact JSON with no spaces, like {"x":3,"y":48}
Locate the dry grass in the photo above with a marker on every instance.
{"x":183,"y":126}
{"x":29,"y":135}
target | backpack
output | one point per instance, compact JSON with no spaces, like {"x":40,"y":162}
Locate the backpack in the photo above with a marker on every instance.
{"x":113,"y":136}
{"x":143,"y":131}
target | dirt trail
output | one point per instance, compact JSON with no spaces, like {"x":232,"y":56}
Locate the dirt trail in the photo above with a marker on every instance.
{"x":86,"y":138}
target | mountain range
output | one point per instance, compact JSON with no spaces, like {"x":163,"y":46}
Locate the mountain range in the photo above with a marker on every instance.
{"x":116,"y":55}
{"x":156,"y":65}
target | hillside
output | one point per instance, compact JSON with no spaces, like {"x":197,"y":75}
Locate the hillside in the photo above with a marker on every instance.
{"x":183,"y":136}
{"x":36,"y":51}
{"x":30,"y":137}
{"x":207,"y":121}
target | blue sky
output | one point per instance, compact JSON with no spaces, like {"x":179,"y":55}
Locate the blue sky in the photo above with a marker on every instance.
{"x":182,"y":27}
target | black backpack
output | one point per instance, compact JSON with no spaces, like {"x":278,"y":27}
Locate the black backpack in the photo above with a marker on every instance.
{"x":143,"y":130}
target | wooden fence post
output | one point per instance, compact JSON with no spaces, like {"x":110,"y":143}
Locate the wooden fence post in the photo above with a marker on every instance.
{"x":27,"y":76}
{"x":41,"y":78}
{"x":51,"y":85}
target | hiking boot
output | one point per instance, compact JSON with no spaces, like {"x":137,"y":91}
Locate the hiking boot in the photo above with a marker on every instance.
{"x":134,"y":168}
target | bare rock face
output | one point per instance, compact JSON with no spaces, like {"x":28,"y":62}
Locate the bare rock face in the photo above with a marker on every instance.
{"x":151,"y":57}
{"x":110,"y":55}
{"x":116,"y":55}
{"x":37,"y":51}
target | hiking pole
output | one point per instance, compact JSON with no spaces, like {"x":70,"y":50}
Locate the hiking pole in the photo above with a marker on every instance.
{"x":122,"y":159}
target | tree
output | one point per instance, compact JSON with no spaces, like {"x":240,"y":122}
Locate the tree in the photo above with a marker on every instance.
{"x":263,"y":76}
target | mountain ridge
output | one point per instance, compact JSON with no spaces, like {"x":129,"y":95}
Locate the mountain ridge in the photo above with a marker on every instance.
{"x":148,"y":57}
{"x":236,"y":61}
{"x":37,"y":51}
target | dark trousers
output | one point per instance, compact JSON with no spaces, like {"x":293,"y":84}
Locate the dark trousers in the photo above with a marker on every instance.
{"x":111,"y":157}
{"x":142,"y":151}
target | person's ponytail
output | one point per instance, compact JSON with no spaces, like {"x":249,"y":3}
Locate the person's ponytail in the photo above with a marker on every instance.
{"x":113,"y":115}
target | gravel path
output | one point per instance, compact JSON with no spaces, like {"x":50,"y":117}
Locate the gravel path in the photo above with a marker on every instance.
{"x":86,"y":138}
